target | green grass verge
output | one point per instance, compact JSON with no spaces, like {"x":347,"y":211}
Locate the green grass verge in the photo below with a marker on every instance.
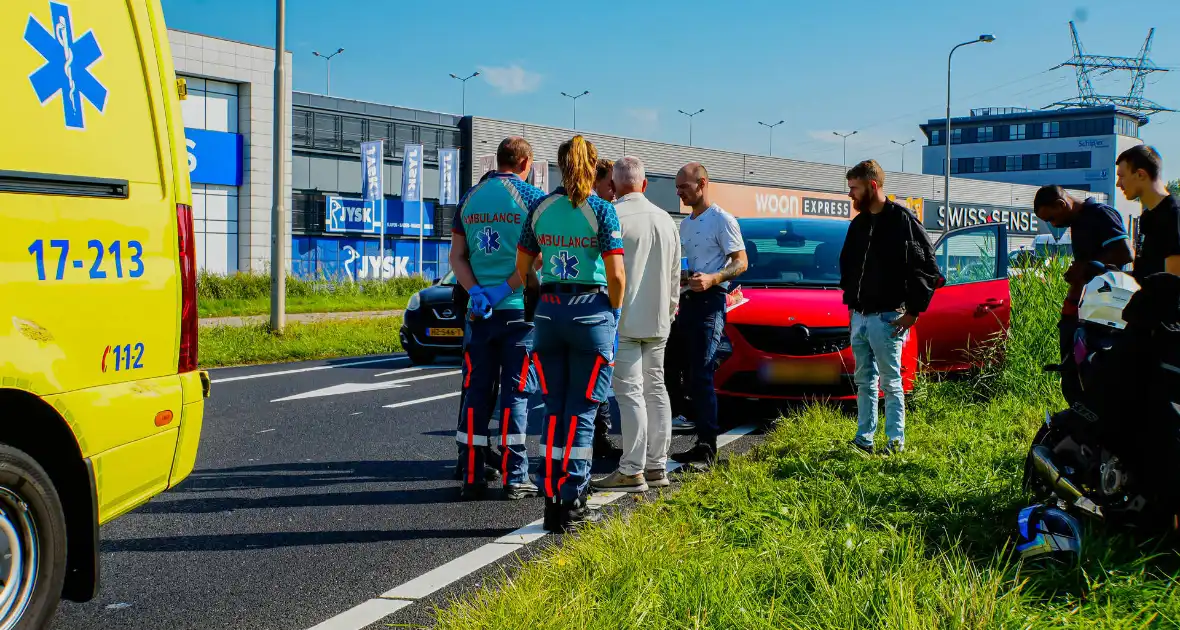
{"x":243,"y":345}
{"x":244,"y":294}
{"x":804,"y":533}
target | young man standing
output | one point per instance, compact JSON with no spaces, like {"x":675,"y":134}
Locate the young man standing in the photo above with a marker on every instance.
{"x":499,"y":338}
{"x":651,"y":258}
{"x":712,"y":241}
{"x":1157,"y":245}
{"x":1099,"y":243}
{"x":888,"y":274}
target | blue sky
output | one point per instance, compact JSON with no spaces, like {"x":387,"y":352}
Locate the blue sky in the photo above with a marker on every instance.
{"x":875,"y":67}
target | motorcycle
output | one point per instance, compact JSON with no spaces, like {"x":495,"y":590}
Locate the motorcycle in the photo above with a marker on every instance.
{"x":1109,"y":456}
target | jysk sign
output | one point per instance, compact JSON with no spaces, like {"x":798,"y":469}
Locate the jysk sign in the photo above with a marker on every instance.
{"x":214,"y":157}
{"x":351,"y":215}
{"x":357,"y":216}
{"x":1018,"y":220}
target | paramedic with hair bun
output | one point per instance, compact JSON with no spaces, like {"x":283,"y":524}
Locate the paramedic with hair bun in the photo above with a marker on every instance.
{"x":578,"y":238}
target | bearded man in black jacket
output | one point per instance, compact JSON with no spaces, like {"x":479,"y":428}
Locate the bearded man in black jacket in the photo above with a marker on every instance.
{"x":888,"y":274}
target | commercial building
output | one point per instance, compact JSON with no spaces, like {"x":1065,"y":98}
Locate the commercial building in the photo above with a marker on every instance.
{"x":1075,"y":148}
{"x":228,"y":120}
{"x":760,"y":186}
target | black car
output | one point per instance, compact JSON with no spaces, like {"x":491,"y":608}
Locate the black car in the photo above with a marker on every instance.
{"x":434,"y":321}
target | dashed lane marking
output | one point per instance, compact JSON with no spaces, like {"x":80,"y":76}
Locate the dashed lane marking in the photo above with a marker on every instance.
{"x":309,"y":369}
{"x":407,"y":403}
{"x":437,"y":579}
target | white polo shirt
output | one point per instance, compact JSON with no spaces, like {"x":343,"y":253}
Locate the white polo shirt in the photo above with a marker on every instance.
{"x":709,"y":240}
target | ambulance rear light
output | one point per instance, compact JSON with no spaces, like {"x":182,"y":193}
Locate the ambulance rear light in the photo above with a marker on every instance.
{"x":188,"y":288}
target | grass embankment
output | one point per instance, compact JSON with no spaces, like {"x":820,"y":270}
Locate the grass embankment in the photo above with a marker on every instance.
{"x":244,"y":345}
{"x":244,"y":294}
{"x":803,"y":533}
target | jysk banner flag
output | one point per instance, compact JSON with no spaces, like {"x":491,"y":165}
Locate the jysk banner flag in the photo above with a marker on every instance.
{"x":412,"y":173}
{"x":371,"y":170}
{"x":448,"y":177}
{"x":541,"y":175}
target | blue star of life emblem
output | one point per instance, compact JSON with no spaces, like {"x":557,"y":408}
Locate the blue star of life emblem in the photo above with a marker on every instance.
{"x":489,"y":240}
{"x":67,"y":65}
{"x":565,"y":265}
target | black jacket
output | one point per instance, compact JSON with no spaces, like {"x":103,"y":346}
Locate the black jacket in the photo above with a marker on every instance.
{"x":887,"y":263}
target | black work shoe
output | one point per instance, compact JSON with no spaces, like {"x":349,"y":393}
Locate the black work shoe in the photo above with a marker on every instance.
{"x":863,"y":450}
{"x":703,"y":453}
{"x":518,"y":491}
{"x":491,"y":474}
{"x":604,"y":447}
{"x":473,"y":491}
{"x":575,"y":514}
{"x":552,"y":522}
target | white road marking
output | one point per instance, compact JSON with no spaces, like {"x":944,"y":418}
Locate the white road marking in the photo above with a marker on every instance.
{"x":450,"y":572}
{"x":364,"y":615}
{"x":353,"y":388}
{"x":435,"y":580}
{"x":398,"y":371}
{"x":265,"y":431}
{"x":407,"y":403}
{"x":310,"y":369}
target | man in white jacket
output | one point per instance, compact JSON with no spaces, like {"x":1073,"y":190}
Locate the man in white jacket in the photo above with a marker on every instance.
{"x":651,"y":257}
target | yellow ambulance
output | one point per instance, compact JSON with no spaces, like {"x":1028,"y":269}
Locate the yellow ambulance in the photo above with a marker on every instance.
{"x":100,"y":396}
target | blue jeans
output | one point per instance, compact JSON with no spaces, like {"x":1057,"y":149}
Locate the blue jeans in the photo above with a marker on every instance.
{"x":697,"y":333}
{"x":574,"y":357}
{"x":878,"y":355}
{"x":496,"y":349}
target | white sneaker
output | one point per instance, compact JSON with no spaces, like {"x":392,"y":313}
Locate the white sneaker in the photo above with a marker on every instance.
{"x":680,"y":423}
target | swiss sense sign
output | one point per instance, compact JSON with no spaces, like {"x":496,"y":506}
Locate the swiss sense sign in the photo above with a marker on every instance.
{"x":763,"y":201}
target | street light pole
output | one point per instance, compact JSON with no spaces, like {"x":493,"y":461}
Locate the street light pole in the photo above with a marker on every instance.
{"x":464,"y":80}
{"x":845,"y":137}
{"x":903,"y":146}
{"x":575,"y":99}
{"x":328,"y":58}
{"x":946,"y":167}
{"x":690,"y":117}
{"x":278,"y":214}
{"x":771,"y":128}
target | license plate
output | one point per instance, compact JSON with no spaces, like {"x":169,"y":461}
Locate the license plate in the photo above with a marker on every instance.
{"x":787,"y":372}
{"x":444,"y":332}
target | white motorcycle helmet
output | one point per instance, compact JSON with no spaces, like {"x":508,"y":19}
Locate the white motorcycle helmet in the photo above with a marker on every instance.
{"x":1104,"y":298}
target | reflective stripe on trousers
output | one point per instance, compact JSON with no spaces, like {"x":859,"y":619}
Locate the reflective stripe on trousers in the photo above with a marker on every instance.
{"x":573,"y":351}
{"x":496,"y":350}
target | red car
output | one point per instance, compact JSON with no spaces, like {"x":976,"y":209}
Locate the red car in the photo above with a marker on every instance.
{"x":787,"y":331}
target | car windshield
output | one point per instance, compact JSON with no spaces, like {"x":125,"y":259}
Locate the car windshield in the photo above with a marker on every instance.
{"x":793,"y":251}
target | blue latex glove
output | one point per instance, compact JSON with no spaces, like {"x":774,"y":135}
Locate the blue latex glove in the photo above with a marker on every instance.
{"x":618,"y":313}
{"x":480,"y":306}
{"x":496,"y":294}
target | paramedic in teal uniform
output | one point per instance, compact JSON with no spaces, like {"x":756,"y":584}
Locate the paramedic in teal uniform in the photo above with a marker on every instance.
{"x":498,"y":340}
{"x":578,"y":239}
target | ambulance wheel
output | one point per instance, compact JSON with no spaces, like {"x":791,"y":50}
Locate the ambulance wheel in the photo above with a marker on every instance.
{"x":418,"y":356}
{"x":32,"y":542}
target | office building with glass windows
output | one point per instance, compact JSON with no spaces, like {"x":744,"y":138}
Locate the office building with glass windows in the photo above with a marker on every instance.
{"x":1075,"y":148}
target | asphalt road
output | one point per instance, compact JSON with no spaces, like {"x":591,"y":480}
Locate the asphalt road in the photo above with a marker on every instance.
{"x":301,"y":509}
